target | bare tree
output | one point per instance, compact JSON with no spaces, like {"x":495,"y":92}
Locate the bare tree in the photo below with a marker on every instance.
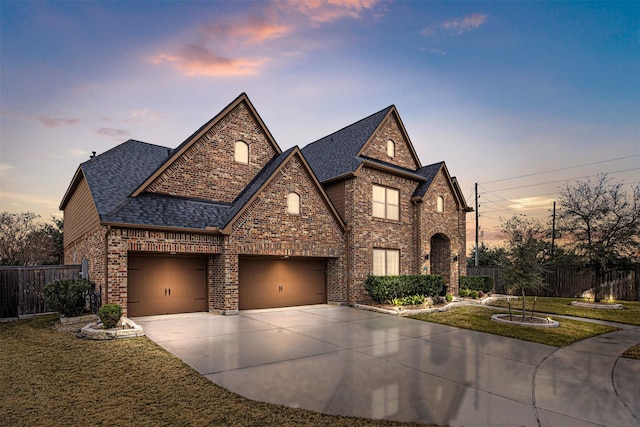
{"x":603,"y":222}
{"x":25,"y":241}
{"x":525,"y":255}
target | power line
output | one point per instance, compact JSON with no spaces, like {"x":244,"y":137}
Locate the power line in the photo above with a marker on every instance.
{"x":561,"y":169}
{"x":559,"y":180}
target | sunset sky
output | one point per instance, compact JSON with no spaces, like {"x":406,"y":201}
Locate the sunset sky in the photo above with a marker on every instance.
{"x":498,"y":90}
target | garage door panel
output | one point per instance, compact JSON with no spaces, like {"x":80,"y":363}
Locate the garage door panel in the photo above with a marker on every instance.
{"x":267,"y":283}
{"x":165,"y":285}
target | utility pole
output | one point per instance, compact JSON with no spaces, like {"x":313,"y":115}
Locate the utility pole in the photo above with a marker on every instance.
{"x":477,"y":225}
{"x":553,"y":230}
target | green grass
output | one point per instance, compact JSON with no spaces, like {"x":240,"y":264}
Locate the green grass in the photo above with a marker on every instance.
{"x":629,"y":315}
{"x":632,"y":352}
{"x":54,"y":378}
{"x":479,"y":319}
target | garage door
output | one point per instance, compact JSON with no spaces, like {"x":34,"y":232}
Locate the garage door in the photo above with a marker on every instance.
{"x":267,"y":283}
{"x":164,"y":285}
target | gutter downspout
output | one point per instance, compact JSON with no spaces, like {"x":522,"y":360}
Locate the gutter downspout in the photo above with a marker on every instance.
{"x":106,"y":265}
{"x":348,"y":265}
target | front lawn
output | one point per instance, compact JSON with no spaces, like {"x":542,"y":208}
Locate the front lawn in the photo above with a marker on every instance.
{"x":633,"y":352}
{"x":629,"y":315}
{"x":54,"y":378}
{"x":478,"y":318}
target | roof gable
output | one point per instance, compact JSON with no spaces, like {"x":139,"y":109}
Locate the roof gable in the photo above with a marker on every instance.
{"x":341,"y":153}
{"x":205,"y":159}
{"x":391,"y":129}
{"x":113,"y":175}
{"x":263,"y":179}
{"x":430,"y":172}
{"x":337,"y":154}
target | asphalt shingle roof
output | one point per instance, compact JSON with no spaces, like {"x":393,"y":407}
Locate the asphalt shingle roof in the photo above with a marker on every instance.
{"x":160,"y":209}
{"x":115,"y":174}
{"x":337,"y":154}
{"x":429,"y":172}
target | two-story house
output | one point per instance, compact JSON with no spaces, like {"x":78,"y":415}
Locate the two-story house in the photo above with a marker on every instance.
{"x":227,"y":221}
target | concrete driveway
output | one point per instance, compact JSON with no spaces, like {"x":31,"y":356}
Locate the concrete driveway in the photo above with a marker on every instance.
{"x":341,"y":360}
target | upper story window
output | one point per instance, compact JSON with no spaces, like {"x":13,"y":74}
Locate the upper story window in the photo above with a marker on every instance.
{"x":293,"y":203}
{"x":242,"y":152}
{"x":440,"y":204}
{"x":386,"y":203}
{"x":386,"y":262}
{"x":391,"y":148}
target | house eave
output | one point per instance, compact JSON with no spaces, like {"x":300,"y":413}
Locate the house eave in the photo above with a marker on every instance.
{"x":207,"y":230}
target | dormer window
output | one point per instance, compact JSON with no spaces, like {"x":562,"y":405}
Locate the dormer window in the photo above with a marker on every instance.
{"x":440,"y":204}
{"x":391,"y":148}
{"x":293,"y":204}
{"x":242,"y":152}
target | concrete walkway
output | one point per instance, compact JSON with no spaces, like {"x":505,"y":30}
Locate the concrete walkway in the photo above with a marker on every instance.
{"x":340,"y":360}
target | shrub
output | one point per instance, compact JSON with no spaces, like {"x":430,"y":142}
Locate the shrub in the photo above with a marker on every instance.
{"x":477,"y":283}
{"x":464,"y":293}
{"x":110,"y":314}
{"x":473,"y":294}
{"x":68,"y":297}
{"x":449,"y":297}
{"x":386,"y":288}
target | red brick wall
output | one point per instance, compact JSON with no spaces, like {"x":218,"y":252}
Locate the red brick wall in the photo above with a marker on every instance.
{"x":208,"y":170}
{"x":265,"y":228}
{"x":90,"y":246}
{"x":377,"y":148}
{"x":450,"y":223}
{"x":369,"y":232}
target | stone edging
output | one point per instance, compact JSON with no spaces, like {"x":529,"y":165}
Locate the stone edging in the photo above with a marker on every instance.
{"x":95,"y":331}
{"x":598,"y":306}
{"x":550,"y":322}
{"x":455,"y":303}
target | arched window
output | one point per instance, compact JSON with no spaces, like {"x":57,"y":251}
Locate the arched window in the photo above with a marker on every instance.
{"x":242,"y":152}
{"x":391,"y":148}
{"x":440,"y":204}
{"x":293,"y":203}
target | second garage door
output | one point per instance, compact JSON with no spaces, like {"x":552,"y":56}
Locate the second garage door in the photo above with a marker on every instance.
{"x":166,"y":284}
{"x":268,"y":283}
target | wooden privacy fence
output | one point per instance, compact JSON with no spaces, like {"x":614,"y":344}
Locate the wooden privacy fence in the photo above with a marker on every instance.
{"x":22,"y":288}
{"x":571,"y":281}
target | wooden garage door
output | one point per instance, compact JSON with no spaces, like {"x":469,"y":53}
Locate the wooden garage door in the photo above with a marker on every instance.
{"x":166,"y":284}
{"x":267,"y":283}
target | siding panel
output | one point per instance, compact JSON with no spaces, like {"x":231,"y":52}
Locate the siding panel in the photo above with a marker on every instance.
{"x":80,"y":214}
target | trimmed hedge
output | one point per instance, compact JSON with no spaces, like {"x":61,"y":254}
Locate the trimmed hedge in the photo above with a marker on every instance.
{"x":477,"y":283}
{"x":110,"y":315}
{"x":386,"y":288}
{"x":68,"y":297}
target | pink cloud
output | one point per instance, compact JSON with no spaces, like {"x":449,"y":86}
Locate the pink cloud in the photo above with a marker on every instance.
{"x":54,"y":122}
{"x":254,"y":30}
{"x":459,"y":25}
{"x":468,"y":23}
{"x":113,"y":133}
{"x":193,"y":60}
{"x":323,"y":11}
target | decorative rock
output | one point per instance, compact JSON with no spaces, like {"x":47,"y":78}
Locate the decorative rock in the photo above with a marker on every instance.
{"x":539,"y":323}
{"x":126,"y":328}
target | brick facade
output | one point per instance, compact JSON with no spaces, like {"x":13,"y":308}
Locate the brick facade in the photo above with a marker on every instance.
{"x":206,"y":170}
{"x":198,"y":172}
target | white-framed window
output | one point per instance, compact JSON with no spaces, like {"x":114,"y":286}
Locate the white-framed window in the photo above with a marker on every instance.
{"x":391,"y":148}
{"x":440,"y":204}
{"x":386,"y":203}
{"x":293,"y":203}
{"x":386,"y":262}
{"x":241,"y":152}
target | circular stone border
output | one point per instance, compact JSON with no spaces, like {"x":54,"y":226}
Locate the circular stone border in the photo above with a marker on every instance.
{"x":597,"y":305}
{"x":550,"y":323}
{"x":127,"y":329}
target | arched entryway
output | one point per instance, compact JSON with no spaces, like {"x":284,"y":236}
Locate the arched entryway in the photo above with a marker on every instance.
{"x":441,"y":257}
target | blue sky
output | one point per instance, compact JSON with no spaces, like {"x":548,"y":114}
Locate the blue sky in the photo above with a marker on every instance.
{"x":496,"y":89}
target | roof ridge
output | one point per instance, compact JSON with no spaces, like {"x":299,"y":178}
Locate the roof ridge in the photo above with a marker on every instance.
{"x":351,"y":125}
